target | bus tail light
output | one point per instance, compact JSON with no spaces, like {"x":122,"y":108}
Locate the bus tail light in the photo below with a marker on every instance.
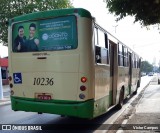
{"x":81,"y":96}
{"x":82,"y":88}
{"x":83,"y":79}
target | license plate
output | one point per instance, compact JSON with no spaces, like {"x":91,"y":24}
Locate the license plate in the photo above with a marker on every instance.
{"x":44,"y":96}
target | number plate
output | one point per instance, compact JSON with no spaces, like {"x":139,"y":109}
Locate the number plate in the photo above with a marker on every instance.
{"x":44,"y":96}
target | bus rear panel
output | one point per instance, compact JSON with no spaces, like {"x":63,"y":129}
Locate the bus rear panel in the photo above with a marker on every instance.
{"x":56,"y":77}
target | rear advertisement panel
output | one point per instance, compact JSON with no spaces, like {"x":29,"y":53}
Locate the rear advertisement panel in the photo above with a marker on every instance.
{"x":45,"y":35}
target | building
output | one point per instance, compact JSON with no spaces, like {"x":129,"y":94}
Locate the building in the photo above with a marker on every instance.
{"x":4,"y":70}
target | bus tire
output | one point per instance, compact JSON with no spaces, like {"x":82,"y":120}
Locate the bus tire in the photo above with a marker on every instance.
{"x":158,"y":81}
{"x":135,"y":92}
{"x":121,"y":98}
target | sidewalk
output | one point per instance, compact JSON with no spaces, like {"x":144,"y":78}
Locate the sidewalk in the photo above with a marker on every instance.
{"x":6,"y":98}
{"x":143,"y":115}
{"x":147,"y":112}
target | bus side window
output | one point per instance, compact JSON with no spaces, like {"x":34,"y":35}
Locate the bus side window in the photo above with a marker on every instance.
{"x":96,"y":36}
{"x":125,"y":57}
{"x":103,"y":42}
{"x":138,"y":62}
{"x":107,"y":47}
{"x":133,"y":60}
{"x":104,"y":55}
{"x":101,"y":38}
{"x":101,"y":48}
{"x":97,"y":48}
{"x":101,"y":55}
{"x":120,"y":55}
{"x":98,"y":54}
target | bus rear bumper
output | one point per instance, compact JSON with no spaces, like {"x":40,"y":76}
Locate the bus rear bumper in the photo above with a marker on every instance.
{"x":76,"y":109}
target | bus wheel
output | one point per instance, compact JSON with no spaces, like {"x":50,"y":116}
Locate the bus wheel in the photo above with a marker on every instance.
{"x":121,"y":98}
{"x":158,"y":81}
{"x":135,"y":92}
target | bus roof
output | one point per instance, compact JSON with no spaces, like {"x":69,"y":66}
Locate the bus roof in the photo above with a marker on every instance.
{"x":52,"y":13}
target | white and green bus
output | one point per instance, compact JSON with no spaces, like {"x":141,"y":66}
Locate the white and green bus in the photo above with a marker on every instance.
{"x":62,"y":62}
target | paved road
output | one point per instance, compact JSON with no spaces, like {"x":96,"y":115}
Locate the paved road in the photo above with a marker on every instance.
{"x":11,"y":117}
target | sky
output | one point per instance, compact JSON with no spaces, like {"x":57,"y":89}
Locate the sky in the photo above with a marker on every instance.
{"x":144,"y":42}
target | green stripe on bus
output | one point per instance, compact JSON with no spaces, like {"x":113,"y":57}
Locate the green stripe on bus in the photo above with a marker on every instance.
{"x":76,"y":109}
{"x":52,"y":13}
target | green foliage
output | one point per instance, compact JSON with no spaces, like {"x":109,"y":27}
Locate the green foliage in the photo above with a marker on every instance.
{"x":146,"y":67}
{"x":145,"y":11}
{"x":13,"y":8}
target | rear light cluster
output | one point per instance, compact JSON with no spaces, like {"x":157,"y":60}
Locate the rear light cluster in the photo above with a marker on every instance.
{"x":83,"y":88}
{"x":11,"y":85}
{"x":83,"y":79}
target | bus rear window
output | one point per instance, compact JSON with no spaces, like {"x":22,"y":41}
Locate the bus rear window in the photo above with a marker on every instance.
{"x":45,"y":35}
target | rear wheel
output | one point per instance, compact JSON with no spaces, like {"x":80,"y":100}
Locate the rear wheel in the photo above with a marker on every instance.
{"x":158,"y":81}
{"x":135,"y":92}
{"x":121,"y":98}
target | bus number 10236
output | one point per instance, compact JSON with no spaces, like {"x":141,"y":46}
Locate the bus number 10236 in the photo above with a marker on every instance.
{"x":43,"y":81}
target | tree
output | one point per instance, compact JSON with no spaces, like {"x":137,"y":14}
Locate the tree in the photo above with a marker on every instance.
{"x":13,"y":8}
{"x":145,"y":11}
{"x":146,"y":67}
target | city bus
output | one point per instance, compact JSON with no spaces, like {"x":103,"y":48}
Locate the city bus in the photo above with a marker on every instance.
{"x":62,"y":62}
